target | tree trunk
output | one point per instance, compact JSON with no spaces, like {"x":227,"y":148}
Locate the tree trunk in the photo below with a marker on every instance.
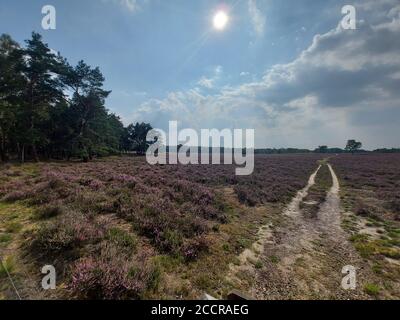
{"x":34,"y":152}
{"x":3,"y":155}
{"x":23,"y":153}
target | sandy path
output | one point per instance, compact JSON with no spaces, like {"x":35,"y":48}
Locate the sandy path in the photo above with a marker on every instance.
{"x":303,"y":257}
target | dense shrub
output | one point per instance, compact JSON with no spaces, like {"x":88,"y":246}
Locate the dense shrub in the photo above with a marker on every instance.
{"x":67,"y":233}
{"x":379,"y":173}
{"x":112,"y":275}
{"x":194,"y":247}
{"x":15,"y":196}
{"x":49,"y":211}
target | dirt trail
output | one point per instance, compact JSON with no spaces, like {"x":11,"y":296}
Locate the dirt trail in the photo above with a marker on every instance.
{"x":249,"y":257}
{"x":302,"y":257}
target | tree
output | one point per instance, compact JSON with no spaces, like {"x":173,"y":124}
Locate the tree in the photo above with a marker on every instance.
{"x":49,"y":108}
{"x":353,"y":145}
{"x":322,"y":149}
{"x":88,"y":114}
{"x":43,"y":90}
{"x":136,"y":137}
{"x":11,"y":86}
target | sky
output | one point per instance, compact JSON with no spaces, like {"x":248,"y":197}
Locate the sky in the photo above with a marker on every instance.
{"x":284,"y":68}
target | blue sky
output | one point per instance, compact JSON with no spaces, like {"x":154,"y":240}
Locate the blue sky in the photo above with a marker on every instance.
{"x":268,"y":70}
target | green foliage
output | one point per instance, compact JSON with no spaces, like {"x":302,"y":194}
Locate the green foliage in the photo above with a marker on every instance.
{"x":353,"y":145}
{"x":7,"y":266}
{"x":135,"y":138}
{"x":122,"y":239}
{"x":274,"y":259}
{"x":372,"y":289}
{"x":48,"y":211}
{"x":50,"y":109}
{"x":5,"y":238}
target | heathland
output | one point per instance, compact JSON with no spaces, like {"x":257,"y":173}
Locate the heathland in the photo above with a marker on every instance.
{"x":119,"y":228}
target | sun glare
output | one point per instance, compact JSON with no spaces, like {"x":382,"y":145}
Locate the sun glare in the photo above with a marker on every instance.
{"x":220,"y":20}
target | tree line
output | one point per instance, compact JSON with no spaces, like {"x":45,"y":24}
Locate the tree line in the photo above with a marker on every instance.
{"x":50,"y":109}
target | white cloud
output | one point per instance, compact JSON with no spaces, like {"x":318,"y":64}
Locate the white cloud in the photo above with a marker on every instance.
{"x":130,"y":5}
{"x":344,"y":85}
{"x":257,"y":18}
{"x":209,"y":83}
{"x":206,"y":83}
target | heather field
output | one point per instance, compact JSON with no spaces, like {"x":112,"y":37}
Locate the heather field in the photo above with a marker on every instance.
{"x":119,"y":228}
{"x":375,"y":176}
{"x":371,"y":200}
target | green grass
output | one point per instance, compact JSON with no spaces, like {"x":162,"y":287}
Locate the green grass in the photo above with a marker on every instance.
{"x":274,"y":259}
{"x":5,"y":238}
{"x":377,"y":268}
{"x":244,"y":243}
{"x":317,"y":193}
{"x":236,"y":261}
{"x":13,"y":227}
{"x":368,"y":248}
{"x":168,"y":263}
{"x":372,"y":289}
{"x":122,"y":238}
{"x":7,"y":265}
{"x":203,"y":282}
{"x":47,"y":212}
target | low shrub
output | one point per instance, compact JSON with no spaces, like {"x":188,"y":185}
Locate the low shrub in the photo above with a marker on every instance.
{"x":113,"y":276}
{"x":49,"y":211}
{"x":15,"y":196}
{"x":122,"y":239}
{"x":194,"y":247}
{"x":67,"y":233}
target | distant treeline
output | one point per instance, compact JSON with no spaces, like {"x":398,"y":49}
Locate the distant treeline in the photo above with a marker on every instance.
{"x":393,"y":150}
{"x":281,"y":151}
{"x":50,"y":109}
{"x":285,"y":150}
{"x":318,"y":150}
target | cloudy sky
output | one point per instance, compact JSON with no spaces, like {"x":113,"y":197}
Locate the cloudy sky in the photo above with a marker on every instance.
{"x":284,"y":68}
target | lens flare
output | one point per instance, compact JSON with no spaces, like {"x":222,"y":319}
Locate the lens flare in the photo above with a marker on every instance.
{"x":220,"y":20}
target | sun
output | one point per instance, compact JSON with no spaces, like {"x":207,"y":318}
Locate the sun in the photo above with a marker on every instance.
{"x":220,"y":20}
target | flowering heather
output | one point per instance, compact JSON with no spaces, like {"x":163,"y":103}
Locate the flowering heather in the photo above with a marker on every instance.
{"x":377,"y":173}
{"x":168,"y":204}
{"x":171,"y":209}
{"x":70,"y":232}
{"x":112,"y":276}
